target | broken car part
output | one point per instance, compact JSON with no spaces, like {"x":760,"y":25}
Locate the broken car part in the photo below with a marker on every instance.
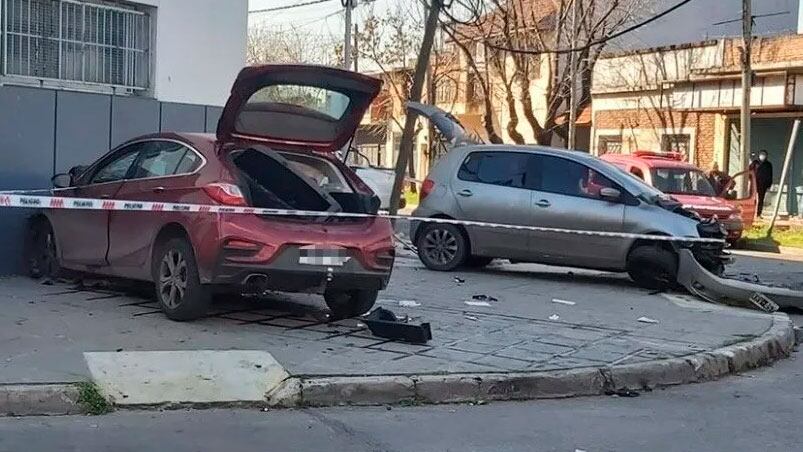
{"x":384,"y":323}
{"x":702,"y":283}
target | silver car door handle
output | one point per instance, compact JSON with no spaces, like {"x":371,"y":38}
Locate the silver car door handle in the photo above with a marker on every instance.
{"x":465,"y":193}
{"x":158,"y":189}
{"x":543,"y":203}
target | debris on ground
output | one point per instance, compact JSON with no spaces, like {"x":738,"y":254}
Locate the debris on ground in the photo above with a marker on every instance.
{"x":566,"y":302}
{"x":384,"y":323}
{"x":477,"y":303}
{"x":646,"y":320}
{"x":471,"y":317}
{"x":554,"y":317}
{"x":483,"y":297}
{"x":622,"y":393}
{"x":459,"y":280}
{"x":409,"y":304}
{"x":732,"y":292}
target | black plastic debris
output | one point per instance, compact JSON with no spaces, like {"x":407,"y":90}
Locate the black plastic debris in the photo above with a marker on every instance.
{"x":483,"y":297}
{"x":622,"y":393}
{"x":384,"y":323}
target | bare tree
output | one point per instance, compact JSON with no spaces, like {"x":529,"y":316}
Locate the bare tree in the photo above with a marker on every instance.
{"x":526,"y":32}
{"x":271,"y":44}
{"x":388,"y":43}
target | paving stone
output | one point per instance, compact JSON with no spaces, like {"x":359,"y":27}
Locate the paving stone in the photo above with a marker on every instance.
{"x":541,"y":347}
{"x":567,"y":363}
{"x":452,"y":355}
{"x":524,"y":354}
{"x":504,"y":363}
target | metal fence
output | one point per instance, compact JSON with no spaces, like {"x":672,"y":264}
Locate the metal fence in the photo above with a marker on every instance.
{"x":79,"y":41}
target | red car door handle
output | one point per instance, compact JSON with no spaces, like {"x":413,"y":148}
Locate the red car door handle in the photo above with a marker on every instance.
{"x":158,"y":189}
{"x":105,"y":196}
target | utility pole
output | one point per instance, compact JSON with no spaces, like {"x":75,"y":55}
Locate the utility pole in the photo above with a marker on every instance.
{"x":356,"y":48}
{"x":406,"y":146}
{"x":747,"y":83}
{"x":572,"y":141}
{"x":349,"y":5}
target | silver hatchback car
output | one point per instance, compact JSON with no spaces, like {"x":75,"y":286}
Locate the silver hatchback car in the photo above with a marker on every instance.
{"x":550,"y":188}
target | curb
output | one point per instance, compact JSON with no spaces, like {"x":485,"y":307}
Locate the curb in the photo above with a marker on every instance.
{"x":39,"y":399}
{"x":773,"y":249}
{"x":776,"y":343}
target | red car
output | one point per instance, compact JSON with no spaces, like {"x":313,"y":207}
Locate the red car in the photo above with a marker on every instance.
{"x":690,"y":185}
{"x":274,"y":148}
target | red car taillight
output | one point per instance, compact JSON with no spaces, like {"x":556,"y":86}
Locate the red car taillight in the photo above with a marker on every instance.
{"x":228,"y":194}
{"x":426,"y":189}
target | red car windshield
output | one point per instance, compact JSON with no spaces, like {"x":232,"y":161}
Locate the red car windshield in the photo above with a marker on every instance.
{"x":682,"y":181}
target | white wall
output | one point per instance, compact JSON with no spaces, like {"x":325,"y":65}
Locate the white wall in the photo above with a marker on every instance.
{"x":200,"y":46}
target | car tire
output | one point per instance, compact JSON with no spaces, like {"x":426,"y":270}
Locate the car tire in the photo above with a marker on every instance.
{"x":653,"y":267}
{"x":442,"y":247}
{"x":178,"y":286}
{"x":478,"y":261}
{"x":41,"y":256}
{"x":346,"y":304}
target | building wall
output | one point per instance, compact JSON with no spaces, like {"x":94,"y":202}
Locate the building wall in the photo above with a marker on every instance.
{"x":44,"y":132}
{"x":642,"y":129}
{"x":200,"y":48}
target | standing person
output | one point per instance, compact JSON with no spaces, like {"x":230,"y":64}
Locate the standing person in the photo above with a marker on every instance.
{"x":763,"y":178}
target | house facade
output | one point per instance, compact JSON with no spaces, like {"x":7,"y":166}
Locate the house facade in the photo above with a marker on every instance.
{"x":687,"y":98}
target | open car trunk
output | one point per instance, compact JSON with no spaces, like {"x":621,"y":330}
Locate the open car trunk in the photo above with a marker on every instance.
{"x":297,"y":181}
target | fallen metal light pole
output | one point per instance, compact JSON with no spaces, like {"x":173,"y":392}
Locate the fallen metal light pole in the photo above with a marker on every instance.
{"x":702,"y":283}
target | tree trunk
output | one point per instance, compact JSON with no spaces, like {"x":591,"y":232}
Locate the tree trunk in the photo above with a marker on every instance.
{"x":488,"y":122}
{"x":527,"y":106}
{"x":513,"y":121}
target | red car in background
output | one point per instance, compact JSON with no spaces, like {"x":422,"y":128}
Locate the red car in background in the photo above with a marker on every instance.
{"x":274,"y":148}
{"x":690,"y":185}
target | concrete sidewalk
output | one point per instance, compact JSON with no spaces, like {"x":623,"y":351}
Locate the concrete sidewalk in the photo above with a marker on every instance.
{"x":524,"y":345}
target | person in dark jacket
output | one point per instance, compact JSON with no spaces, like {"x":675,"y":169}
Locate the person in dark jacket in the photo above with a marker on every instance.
{"x":763,"y":171}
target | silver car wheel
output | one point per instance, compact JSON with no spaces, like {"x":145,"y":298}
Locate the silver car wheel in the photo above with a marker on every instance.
{"x":172,"y":278}
{"x":440,"y":246}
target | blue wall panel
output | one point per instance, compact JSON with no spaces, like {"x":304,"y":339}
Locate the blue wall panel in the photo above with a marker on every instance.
{"x":132,"y":117}
{"x":82,"y":128}
{"x":183,"y":118}
{"x":212,"y":117}
{"x":27,"y":130}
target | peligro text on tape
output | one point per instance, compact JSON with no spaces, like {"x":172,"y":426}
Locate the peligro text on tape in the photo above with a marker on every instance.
{"x":60,"y":202}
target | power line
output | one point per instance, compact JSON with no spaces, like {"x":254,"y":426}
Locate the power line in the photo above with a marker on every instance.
{"x":592,"y":43}
{"x":755,"y":16}
{"x":282,"y":8}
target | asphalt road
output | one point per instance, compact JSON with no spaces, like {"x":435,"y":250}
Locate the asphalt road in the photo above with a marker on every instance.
{"x":759,"y":411}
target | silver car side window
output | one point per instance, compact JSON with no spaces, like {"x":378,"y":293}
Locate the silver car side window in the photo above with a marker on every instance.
{"x":507,"y":169}
{"x":567,"y":177}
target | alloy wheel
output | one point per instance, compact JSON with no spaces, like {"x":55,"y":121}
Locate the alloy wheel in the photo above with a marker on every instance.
{"x":173,"y":278}
{"x":440,"y":246}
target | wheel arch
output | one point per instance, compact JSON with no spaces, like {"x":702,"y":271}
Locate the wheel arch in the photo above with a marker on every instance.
{"x":663,"y":244}
{"x":166,"y":232}
{"x":443,"y":216}
{"x":43,"y":217}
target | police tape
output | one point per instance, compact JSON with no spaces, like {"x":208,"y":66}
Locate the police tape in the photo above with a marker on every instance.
{"x":11,"y":199}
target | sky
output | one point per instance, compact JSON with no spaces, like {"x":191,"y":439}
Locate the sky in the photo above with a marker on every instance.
{"x":694,"y":22}
{"x":326,"y":18}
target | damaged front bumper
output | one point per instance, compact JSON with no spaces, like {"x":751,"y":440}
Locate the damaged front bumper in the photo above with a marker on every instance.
{"x":700,"y":282}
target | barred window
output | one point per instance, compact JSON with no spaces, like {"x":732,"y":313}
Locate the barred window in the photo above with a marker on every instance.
{"x":76,"y":40}
{"x":610,"y":144}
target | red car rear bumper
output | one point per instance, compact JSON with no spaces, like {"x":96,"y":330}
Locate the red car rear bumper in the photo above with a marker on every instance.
{"x":249,"y":245}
